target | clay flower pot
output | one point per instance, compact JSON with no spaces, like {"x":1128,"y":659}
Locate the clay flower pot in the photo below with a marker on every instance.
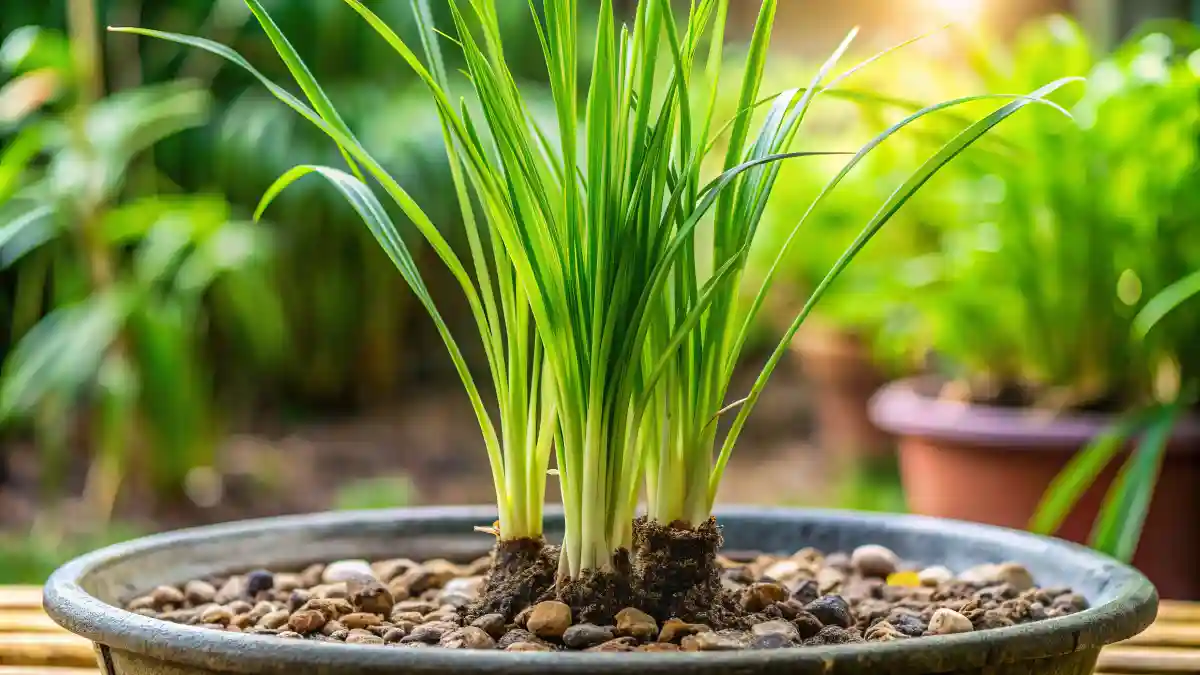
{"x":84,"y":594}
{"x":839,"y":366}
{"x":992,"y":464}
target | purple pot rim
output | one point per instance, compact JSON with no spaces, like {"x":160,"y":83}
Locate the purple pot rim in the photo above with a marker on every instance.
{"x":901,"y":409}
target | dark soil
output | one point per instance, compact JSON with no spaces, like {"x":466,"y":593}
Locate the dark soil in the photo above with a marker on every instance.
{"x":596,"y":597}
{"x":522,"y":573}
{"x":676,"y":574}
{"x":802,"y":600}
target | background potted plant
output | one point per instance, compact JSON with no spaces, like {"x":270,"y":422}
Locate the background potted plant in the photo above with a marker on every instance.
{"x":1031,"y":302}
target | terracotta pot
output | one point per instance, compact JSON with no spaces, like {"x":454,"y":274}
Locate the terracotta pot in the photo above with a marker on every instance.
{"x":839,"y":366}
{"x":991,"y":465}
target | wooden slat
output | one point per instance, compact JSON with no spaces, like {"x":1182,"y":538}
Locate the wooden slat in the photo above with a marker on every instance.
{"x":27,"y":621}
{"x":46,"y":649}
{"x":1121,"y":659}
{"x":1168,"y":635}
{"x":45,"y":670}
{"x":20,"y":597}
{"x":1174,"y":610}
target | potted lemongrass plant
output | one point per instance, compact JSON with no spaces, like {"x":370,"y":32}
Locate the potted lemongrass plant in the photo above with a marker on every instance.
{"x":611,"y":329}
{"x":1034,"y":307}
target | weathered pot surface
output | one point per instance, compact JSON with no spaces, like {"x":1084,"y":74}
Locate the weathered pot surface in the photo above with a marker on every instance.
{"x":81,"y":594}
{"x":992,"y":464}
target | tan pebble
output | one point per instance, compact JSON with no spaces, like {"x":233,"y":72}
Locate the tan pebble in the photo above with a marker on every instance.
{"x":368,"y":595}
{"x":287,"y":583}
{"x":786,"y":570}
{"x":809,"y":555}
{"x":307,"y":621}
{"x":633,"y":622}
{"x":337,"y":591}
{"x":873,"y":560}
{"x":478,"y":567}
{"x":830,"y":580}
{"x":419,"y":606}
{"x":274,"y":620}
{"x":470,"y":637}
{"x":710,"y":642}
{"x":361,"y":620}
{"x":528,"y":647}
{"x":659,"y":647}
{"x":621,"y":644}
{"x":386,"y":570}
{"x":260,"y":610}
{"x":242,"y":620}
{"x":167,"y":595}
{"x":759,"y":596}
{"x":1015,"y":575}
{"x":144,"y":602}
{"x":199,"y":592}
{"x":414,"y":617}
{"x":363,"y":639}
{"x":549,"y":619}
{"x":290,"y":634}
{"x":947,"y":622}
{"x":231,"y":590}
{"x":494,"y":624}
{"x":394,"y":635}
{"x":675,"y":630}
{"x":776,"y":627}
{"x":216,"y":614}
{"x":332,"y":627}
{"x":311,"y":576}
{"x":240,"y":607}
{"x":935,"y":576}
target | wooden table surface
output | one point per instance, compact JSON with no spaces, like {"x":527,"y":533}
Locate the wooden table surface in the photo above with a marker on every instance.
{"x":32,"y":644}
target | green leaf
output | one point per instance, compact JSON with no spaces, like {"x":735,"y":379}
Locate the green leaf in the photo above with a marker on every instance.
{"x":1119,"y":526}
{"x":1164,"y":303}
{"x":1079,"y":474}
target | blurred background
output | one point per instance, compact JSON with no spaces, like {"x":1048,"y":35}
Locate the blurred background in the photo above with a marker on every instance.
{"x":167,"y":363}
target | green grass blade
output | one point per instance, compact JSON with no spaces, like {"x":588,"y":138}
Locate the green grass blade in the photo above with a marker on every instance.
{"x":1123,"y":514}
{"x":1164,"y":303}
{"x":360,"y":197}
{"x":893,"y":204}
{"x":1079,"y":474}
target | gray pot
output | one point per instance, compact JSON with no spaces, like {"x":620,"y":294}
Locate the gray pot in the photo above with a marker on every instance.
{"x":82,"y":595}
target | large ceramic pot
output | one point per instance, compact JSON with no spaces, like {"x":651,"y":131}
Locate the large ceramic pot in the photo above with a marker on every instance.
{"x":84,"y":594}
{"x":992,"y":465}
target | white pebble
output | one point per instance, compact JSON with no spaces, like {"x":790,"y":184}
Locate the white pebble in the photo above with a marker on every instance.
{"x":947,"y":621}
{"x":873,"y":560}
{"x":345,"y":570}
{"x":933,"y":576}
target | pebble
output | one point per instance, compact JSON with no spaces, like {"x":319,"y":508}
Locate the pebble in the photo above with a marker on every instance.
{"x":464,"y":586}
{"x":216,"y":614}
{"x":884,"y":631}
{"x":165,"y":596}
{"x":947,"y":622}
{"x":1015,"y":575}
{"x":805,"y":591}
{"x":231,"y":590}
{"x":517,"y":635}
{"x":492,"y":624}
{"x":363,"y":638}
{"x":286,"y":583}
{"x":386,"y":570}
{"x":332,"y":627}
{"x":421,"y":607}
{"x":935,"y":576}
{"x":307,"y":621}
{"x":361,"y":620}
{"x":456,"y":600}
{"x":274,"y":620}
{"x":873,"y":560}
{"x":831,"y":610}
{"x":470,"y":637}
{"x":366,"y":594}
{"x":311,"y":576}
{"x":979,"y":574}
{"x":345,"y":570}
{"x":621,"y":644}
{"x":633,"y":622}
{"x":586,"y":635}
{"x":259,"y":581}
{"x":429,"y":632}
{"x":399,"y":616}
{"x":838,"y":561}
{"x":807,"y":624}
{"x":289,"y":634}
{"x":337,"y":591}
{"x":549,"y":619}
{"x":772,"y":641}
{"x":776,"y":627}
{"x":199,"y":592}
{"x":528,"y":647}
{"x":787,"y":570}
{"x":297,"y":599}
{"x":710,"y":642}
{"x":143,"y":603}
{"x":675,"y":630}
{"x":833,"y":635}
{"x":394,"y":635}
{"x":759,"y":596}
{"x":830,"y":580}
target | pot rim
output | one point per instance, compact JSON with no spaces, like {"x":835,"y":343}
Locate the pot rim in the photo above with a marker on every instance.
{"x":901,"y":408}
{"x":1130,"y":610}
